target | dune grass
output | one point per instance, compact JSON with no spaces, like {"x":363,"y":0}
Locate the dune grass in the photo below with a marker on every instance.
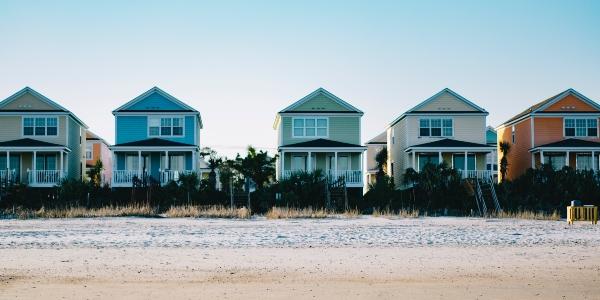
{"x":308,"y":213}
{"x":390,"y":214}
{"x":215,"y":211}
{"x":527,"y":215}
{"x":82,"y":212}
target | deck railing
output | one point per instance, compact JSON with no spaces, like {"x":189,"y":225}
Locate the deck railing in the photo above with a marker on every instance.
{"x":45,"y":177}
{"x":167,"y":176}
{"x":8,"y":175}
{"x":125,"y":177}
{"x":350,"y":176}
{"x":479,"y":174}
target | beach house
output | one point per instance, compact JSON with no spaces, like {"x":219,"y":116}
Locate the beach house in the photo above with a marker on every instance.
{"x":97,"y":149}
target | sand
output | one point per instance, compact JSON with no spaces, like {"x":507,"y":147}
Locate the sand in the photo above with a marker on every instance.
{"x":368,"y":258}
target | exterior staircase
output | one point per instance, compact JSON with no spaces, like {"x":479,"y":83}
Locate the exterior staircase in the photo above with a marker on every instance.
{"x":337,"y":194}
{"x":485,"y":196}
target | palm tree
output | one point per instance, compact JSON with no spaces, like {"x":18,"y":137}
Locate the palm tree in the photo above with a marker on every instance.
{"x":189,"y":182}
{"x":381,"y":159}
{"x":504,"y":148}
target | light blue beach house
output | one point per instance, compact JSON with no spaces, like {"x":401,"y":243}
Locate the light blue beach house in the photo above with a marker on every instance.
{"x":157,"y":138}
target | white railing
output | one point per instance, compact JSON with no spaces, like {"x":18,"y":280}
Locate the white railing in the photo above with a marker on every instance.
{"x":125,"y":177}
{"x":350,"y":176}
{"x":167,"y":176}
{"x":8,"y":175}
{"x":45,"y":177}
{"x":479,"y":174}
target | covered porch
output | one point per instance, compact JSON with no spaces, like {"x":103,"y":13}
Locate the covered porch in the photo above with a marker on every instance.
{"x":575,"y":153}
{"x":345,"y":162}
{"x":158,"y":164}
{"x":470,"y":159}
{"x":32,"y":162}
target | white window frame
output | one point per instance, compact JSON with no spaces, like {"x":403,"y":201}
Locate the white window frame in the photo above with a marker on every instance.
{"x":304,"y":136}
{"x":441,"y":127}
{"x":586,"y":127}
{"x":159,"y":118}
{"x":45,"y":125}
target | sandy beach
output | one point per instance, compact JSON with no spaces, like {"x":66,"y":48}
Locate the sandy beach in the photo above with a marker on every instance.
{"x":367,"y":258}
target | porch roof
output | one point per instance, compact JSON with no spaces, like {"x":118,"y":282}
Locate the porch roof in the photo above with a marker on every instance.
{"x":153,"y":143}
{"x":30,"y":145}
{"x":568,"y":144}
{"x":323,"y":143}
{"x":450,"y":144}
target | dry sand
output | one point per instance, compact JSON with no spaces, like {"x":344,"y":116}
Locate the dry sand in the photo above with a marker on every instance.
{"x":124,"y":264}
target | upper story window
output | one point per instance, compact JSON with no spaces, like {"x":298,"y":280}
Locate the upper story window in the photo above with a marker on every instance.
{"x":88,"y":152}
{"x":310,"y":127}
{"x":165,"y":126}
{"x":436,"y":127}
{"x":40,"y":126}
{"x":512,"y":134}
{"x":581,"y":127}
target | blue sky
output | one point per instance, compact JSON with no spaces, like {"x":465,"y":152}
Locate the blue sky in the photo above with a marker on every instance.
{"x":239,"y":62}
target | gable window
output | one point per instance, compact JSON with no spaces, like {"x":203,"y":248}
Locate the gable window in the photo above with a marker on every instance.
{"x":435,"y":127}
{"x":580,"y":127}
{"x":310,"y":127}
{"x":40,"y":126}
{"x":165,"y":126}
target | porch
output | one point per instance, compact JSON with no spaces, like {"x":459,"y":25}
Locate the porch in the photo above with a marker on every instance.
{"x":32,"y":162}
{"x":335,"y":165}
{"x":158,"y":166}
{"x":575,"y":153}
{"x":469,"y":159}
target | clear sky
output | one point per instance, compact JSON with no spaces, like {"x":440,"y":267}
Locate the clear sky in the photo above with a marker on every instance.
{"x":239,"y":62}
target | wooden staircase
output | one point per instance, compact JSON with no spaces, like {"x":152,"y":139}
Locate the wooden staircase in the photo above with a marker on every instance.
{"x":485,"y":196}
{"x":337,"y":194}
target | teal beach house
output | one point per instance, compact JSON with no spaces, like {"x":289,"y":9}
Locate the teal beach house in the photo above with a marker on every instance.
{"x":321,"y":132}
{"x":157,"y":138}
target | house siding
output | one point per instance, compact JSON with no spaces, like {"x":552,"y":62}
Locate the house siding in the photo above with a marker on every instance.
{"x":341,"y":129}
{"x":446,"y":102}
{"x":12,"y":129}
{"x":76,"y":142}
{"x":466,"y":128}
{"x":319,"y":103}
{"x":27,"y":102}
{"x":519,"y":157}
{"x":573,"y":103}
{"x":135,"y":128}
{"x":157,"y":102}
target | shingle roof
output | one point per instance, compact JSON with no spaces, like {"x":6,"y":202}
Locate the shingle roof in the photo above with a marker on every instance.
{"x":318,"y":143}
{"x":154,"y":142}
{"x":571,"y":143}
{"x":28,"y":143}
{"x":379,"y":139}
{"x":449,"y":143}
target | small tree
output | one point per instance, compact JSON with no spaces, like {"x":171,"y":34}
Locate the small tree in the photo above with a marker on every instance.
{"x":257,"y":165}
{"x":504,"y":148}
{"x":381,"y":159}
{"x":95,"y":174}
{"x":189,"y":182}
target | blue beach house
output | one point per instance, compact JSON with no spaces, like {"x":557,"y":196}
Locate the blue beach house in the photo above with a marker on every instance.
{"x":157,"y":137}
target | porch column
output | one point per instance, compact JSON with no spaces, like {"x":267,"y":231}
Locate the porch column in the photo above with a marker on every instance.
{"x":361,"y":161}
{"x":439,"y":157}
{"x":34,"y":177}
{"x":567,"y":159}
{"x":139,"y":163}
{"x":61,"y":162}
{"x":532,"y":160}
{"x":309,"y":162}
{"x":465,"y":167}
{"x":335,"y":164}
{"x":541,"y":157}
{"x":282,"y":162}
{"x":8,"y":160}
{"x":418,"y":162}
{"x":594,"y":161}
{"x":193,"y":160}
{"x":167,"y":160}
{"x":414,"y":166}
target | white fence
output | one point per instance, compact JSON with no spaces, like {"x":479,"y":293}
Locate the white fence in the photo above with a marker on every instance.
{"x":350,"y":176}
{"x":45,"y":177}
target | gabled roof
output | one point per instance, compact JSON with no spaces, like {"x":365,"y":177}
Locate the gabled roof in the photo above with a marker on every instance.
{"x":320,"y":143}
{"x":151,"y":91}
{"x":42,"y":98}
{"x":90,"y":136}
{"x":450,"y":143}
{"x":154,"y":142}
{"x":414,"y":110}
{"x":326,"y":93}
{"x":29,"y":143}
{"x":540,"y":106}
{"x":379,"y":139}
{"x":571,"y":143}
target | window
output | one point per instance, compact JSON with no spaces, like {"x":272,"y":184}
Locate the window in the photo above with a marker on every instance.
{"x":556,"y":161}
{"x":581,"y":127}
{"x":458,"y":161}
{"x":88,"y":152}
{"x":165,"y":126}
{"x":428,"y":159}
{"x":435,"y":127}
{"x":40,"y":126}
{"x":584,"y":162}
{"x":310,"y":127}
{"x":513,"y":134}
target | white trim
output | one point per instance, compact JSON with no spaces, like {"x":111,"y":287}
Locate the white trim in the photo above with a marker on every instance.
{"x":324,"y":149}
{"x":326,"y":93}
{"x":152,"y":149}
{"x":157,"y":112}
{"x":304,"y":128}
{"x":46,"y":117}
{"x":165,"y":116}
{"x":150,"y":92}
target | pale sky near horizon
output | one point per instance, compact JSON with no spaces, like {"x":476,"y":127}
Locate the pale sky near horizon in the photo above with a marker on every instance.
{"x":239,"y":62}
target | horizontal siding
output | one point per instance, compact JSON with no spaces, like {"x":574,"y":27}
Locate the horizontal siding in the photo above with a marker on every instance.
{"x":12,"y":129}
{"x":466,"y":128}
{"x":570,"y":103}
{"x":549,"y":130}
{"x":28,"y":102}
{"x":135,"y":128}
{"x":446,"y":102}
{"x":76,"y":158}
{"x":155,"y":101}
{"x":519,"y":157}
{"x":319,"y":103}
{"x":341,"y":129}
